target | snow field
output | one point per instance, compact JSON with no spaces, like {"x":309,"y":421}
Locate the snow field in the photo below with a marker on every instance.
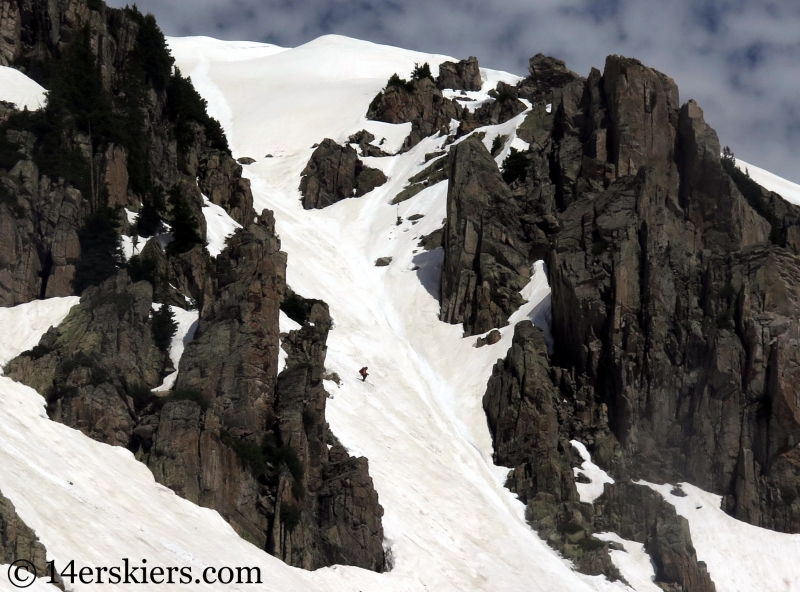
{"x":786,"y":189}
{"x":17,"y":88}
{"x":449,"y":520}
{"x":740,"y":557}
{"x":22,"y":326}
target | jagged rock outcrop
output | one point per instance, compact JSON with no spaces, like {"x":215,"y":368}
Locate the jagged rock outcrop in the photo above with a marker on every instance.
{"x":418,"y":102}
{"x":220,"y":180}
{"x":530,"y":435}
{"x":155,"y":134}
{"x":233,"y":358}
{"x":461,"y":75}
{"x":339,"y":513}
{"x":89,"y":366}
{"x":637,"y":513}
{"x":251,"y":445}
{"x":434,"y":173}
{"x":181,"y":276}
{"x":486,"y":253}
{"x":230,"y":369}
{"x":662,"y":346}
{"x":533,"y":412}
{"x":547,"y":76}
{"x":227,"y":436}
{"x":334,"y":173}
{"x":506,"y":105}
{"x":674,"y":288}
{"x":364,"y":140}
{"x":18,"y":542}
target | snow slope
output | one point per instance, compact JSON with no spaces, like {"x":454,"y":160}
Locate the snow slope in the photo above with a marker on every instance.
{"x":786,"y":189}
{"x":450,"y":524}
{"x":17,"y":88}
{"x":22,"y":326}
{"x":740,"y":557}
{"x":449,"y":521}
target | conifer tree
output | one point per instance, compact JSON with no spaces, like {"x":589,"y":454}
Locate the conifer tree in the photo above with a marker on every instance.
{"x":163,"y":326}
{"x":185,"y":230}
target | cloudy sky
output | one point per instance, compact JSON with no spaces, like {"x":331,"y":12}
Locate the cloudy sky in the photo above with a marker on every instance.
{"x":740,"y":59}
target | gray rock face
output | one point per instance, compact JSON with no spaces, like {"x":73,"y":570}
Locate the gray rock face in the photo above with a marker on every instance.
{"x":335,"y":173}
{"x":547,"y":75}
{"x":506,"y":105}
{"x":233,"y":358}
{"x":183,"y":275}
{"x":340,"y":516}
{"x":461,"y":75}
{"x":423,"y":105}
{"x":231,"y":365}
{"x":674,"y":299}
{"x":88,"y":367}
{"x":220,"y":179}
{"x":39,"y":246}
{"x":533,"y":412}
{"x":228,"y":436}
{"x":19,"y":542}
{"x":232,"y":435}
{"x":364,"y":140}
{"x":525,"y":415}
{"x":41,"y":216}
{"x":637,"y":513}
{"x":486,"y":256}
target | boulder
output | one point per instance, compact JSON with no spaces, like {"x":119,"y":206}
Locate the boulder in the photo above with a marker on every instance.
{"x":334,"y":173}
{"x":421,"y":104}
{"x":461,"y":75}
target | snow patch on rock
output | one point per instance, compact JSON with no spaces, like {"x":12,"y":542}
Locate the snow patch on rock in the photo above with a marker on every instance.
{"x":597,"y":476}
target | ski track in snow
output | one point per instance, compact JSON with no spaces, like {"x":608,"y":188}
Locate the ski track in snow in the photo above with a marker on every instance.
{"x":449,"y":521}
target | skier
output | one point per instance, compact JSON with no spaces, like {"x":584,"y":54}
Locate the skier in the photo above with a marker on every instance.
{"x":363,"y":373}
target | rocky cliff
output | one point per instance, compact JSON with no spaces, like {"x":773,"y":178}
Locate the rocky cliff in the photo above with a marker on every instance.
{"x":534,"y":410}
{"x":674,"y":289}
{"x":120,"y":128}
{"x":420,"y":101}
{"x":231,"y":434}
